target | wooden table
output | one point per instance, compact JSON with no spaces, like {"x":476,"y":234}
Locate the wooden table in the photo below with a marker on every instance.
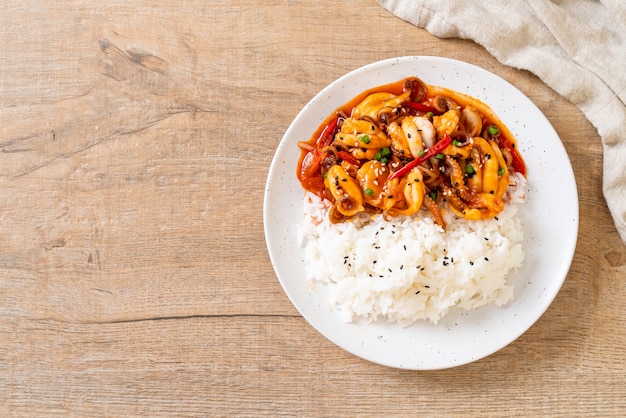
{"x":134,"y":276}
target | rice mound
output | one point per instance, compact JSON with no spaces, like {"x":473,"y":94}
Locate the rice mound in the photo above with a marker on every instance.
{"x":409,"y":269}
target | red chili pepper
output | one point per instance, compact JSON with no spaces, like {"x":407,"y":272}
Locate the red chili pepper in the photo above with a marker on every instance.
{"x":310,"y":164}
{"x":346,"y":156}
{"x":420,"y":107}
{"x":313,"y":159}
{"x":327,"y":135}
{"x":431,"y":152}
{"x":517,"y":162}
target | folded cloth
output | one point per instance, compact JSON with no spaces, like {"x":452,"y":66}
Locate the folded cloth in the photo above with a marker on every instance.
{"x":577,"y":47}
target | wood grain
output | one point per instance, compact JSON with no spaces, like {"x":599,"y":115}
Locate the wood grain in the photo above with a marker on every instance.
{"x":135,"y":142}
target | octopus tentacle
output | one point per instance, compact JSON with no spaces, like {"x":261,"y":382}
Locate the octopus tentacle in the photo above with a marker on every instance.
{"x":434,"y":209}
{"x":457,"y":180}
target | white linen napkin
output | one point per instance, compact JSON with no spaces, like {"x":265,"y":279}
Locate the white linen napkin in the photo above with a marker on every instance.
{"x":577,"y":47}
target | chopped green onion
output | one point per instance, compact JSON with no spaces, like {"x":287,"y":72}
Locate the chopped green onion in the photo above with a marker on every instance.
{"x":384,"y":160}
{"x":369,"y":191}
{"x":430,"y":115}
{"x":439,"y":156}
{"x":378,"y":156}
{"x":325,"y":175}
{"x":421,"y":153}
{"x":501,"y":172}
{"x":365,"y":139}
{"x":433,"y":194}
{"x":469,"y":169}
{"x":455,"y":142}
{"x":493,"y":130}
{"x":385,"y":151}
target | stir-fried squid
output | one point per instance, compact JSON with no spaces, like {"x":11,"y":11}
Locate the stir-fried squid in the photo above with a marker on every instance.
{"x":408,"y":146}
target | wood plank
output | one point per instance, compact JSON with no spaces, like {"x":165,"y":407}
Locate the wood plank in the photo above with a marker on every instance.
{"x":135,"y":143}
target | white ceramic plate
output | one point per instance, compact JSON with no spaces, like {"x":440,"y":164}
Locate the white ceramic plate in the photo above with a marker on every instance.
{"x":550,"y":221}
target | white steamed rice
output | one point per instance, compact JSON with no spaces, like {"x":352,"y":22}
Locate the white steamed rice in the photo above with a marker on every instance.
{"x":409,"y":269}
